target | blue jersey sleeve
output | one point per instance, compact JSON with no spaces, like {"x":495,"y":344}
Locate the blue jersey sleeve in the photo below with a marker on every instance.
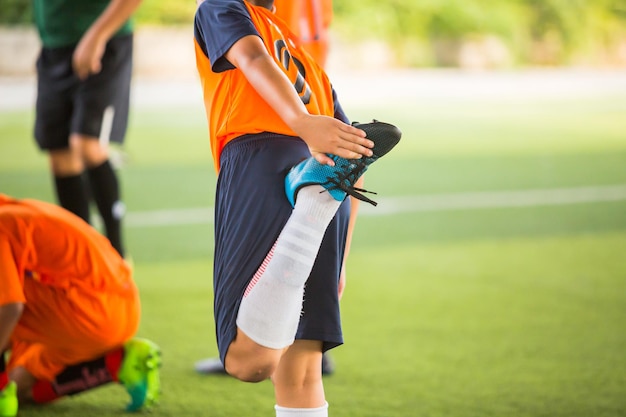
{"x":218,"y":24}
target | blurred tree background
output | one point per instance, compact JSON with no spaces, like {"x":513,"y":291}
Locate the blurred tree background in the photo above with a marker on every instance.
{"x":489,"y":33}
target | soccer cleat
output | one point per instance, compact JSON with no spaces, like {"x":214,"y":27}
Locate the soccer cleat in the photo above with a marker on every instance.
{"x":214,"y":366}
{"x":328,"y":364}
{"x":210,"y":366}
{"x":139,"y":373}
{"x":8,"y":400}
{"x":339,"y":180}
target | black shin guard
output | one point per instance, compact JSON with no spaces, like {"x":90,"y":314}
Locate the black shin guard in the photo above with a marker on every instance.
{"x":73,"y":195}
{"x":106,"y":193}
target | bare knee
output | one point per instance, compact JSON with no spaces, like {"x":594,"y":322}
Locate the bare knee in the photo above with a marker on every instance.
{"x":66,"y":162}
{"x":91,"y":151}
{"x":250,"y":369}
{"x":249,"y":361}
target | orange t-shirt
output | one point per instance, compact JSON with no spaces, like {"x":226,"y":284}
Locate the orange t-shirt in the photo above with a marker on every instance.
{"x":46,"y":243}
{"x":79,"y":296}
{"x":233,"y":106}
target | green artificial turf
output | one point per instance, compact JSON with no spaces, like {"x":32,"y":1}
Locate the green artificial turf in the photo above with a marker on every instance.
{"x":468,"y":312}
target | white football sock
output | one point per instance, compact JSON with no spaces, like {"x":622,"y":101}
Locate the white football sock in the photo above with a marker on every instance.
{"x":270,"y":309}
{"x":302,"y":412}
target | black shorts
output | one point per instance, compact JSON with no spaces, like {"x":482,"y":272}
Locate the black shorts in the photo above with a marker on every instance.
{"x":97,"y":106}
{"x":251,"y":209}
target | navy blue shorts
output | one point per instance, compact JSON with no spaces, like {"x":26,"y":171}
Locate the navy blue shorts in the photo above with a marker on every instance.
{"x":250,"y":211}
{"x":97,"y":106}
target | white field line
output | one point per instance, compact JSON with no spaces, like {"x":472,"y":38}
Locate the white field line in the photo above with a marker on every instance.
{"x":172,"y":217}
{"x":418,"y":203}
{"x":497,"y":199}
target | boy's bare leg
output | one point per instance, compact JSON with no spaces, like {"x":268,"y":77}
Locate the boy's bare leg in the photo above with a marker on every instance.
{"x":298,"y":377}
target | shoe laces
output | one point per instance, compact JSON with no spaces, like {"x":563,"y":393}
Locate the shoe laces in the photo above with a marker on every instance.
{"x":350,"y":171}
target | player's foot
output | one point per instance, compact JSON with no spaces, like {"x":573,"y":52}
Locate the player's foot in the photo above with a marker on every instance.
{"x":215,"y":366}
{"x":339,"y":180}
{"x":328,"y":365}
{"x":210,"y":366}
{"x":139,"y":373}
{"x":8,"y":400}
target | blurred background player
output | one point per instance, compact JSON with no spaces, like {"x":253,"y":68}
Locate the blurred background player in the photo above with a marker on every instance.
{"x":83,"y":91}
{"x":69,"y":310}
{"x":309,"y":20}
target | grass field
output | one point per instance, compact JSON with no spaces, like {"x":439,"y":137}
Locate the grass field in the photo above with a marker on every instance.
{"x":489,"y":282}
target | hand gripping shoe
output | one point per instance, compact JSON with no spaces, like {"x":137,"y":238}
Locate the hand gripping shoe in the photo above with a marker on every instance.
{"x":339,"y":180}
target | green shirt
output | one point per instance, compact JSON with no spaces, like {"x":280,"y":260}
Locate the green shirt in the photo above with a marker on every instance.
{"x":63,"y":22}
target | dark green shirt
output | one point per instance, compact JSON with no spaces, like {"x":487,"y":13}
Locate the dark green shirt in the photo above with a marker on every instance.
{"x":63,"y":22}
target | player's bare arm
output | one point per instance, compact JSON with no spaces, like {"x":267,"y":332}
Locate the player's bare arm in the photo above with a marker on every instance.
{"x":87,"y":58}
{"x":9,"y":316}
{"x":322,"y":134}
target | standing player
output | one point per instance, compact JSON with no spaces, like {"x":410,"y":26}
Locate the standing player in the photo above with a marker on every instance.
{"x":309,"y":20}
{"x":68,"y":311}
{"x":287,"y":159}
{"x":83,"y":89}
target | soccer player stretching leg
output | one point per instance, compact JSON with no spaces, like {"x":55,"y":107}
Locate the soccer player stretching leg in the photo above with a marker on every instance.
{"x":287,"y":159}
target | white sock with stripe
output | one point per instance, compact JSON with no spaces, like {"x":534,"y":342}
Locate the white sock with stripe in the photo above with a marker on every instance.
{"x":302,"y":412}
{"x":270,"y":309}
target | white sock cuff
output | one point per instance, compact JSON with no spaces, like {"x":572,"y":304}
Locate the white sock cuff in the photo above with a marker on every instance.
{"x":298,"y":412}
{"x":315,"y":201}
{"x":261,"y":333}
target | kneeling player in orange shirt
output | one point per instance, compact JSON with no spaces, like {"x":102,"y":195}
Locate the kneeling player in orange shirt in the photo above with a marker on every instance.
{"x":69,"y":310}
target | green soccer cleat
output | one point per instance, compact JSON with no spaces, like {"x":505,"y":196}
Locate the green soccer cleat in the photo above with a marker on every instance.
{"x":139,"y":373}
{"x":8,"y":400}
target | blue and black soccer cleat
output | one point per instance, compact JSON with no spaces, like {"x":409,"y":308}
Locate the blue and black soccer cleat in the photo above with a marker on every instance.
{"x":339,"y":180}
